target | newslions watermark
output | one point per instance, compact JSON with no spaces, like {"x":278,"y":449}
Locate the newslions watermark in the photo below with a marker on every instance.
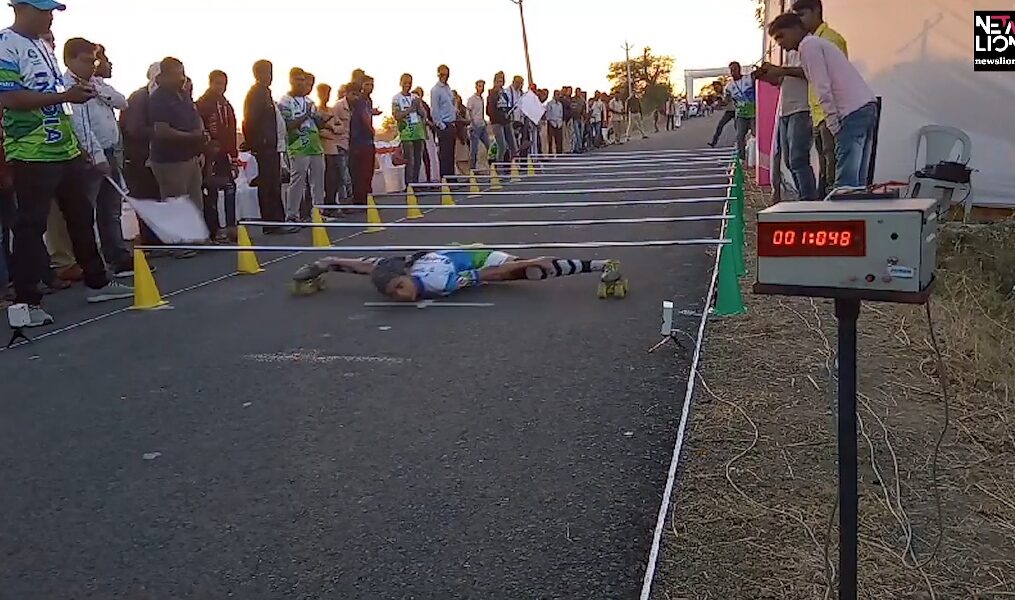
{"x":994,"y":40}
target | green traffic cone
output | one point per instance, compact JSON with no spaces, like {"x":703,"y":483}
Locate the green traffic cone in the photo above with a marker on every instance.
{"x":737,"y":236}
{"x":729,"y":301}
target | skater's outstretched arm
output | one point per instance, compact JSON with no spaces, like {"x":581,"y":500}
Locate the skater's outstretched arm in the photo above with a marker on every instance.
{"x":363,"y":265}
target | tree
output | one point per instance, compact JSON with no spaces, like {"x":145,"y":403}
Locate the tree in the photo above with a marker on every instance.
{"x":650,"y":78}
{"x":759,"y":12}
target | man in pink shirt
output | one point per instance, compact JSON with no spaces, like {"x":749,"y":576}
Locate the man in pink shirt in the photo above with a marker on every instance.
{"x":845,"y":97}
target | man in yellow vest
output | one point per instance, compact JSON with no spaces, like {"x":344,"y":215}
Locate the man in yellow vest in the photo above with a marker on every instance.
{"x":811,"y":13}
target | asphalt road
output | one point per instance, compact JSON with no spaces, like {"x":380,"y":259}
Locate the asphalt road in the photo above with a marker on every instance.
{"x":249,"y":444}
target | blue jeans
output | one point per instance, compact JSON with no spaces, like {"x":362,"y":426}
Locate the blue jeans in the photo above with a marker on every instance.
{"x":507,"y":147}
{"x":108,"y":208}
{"x":795,"y":138}
{"x":578,"y":141}
{"x":853,"y":146}
{"x":477,"y":136}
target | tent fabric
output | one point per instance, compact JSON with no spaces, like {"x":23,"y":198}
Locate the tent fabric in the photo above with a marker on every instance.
{"x":918,"y":56}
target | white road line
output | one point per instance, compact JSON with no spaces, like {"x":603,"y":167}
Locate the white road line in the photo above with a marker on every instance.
{"x":664,"y":507}
{"x":429,"y":304}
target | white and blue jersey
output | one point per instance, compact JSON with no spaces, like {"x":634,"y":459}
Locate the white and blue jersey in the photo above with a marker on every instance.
{"x":443,"y":273}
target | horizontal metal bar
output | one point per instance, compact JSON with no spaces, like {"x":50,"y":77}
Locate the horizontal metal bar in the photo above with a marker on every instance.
{"x":549,"y":178}
{"x":672,"y":188}
{"x":435,"y":225}
{"x":675,"y":151}
{"x":623,"y":164}
{"x":704,"y":199}
{"x":526,"y":246}
{"x":632,"y":157}
{"x":534,"y":181}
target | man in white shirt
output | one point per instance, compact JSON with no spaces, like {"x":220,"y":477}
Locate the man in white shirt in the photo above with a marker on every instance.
{"x":597,"y":116}
{"x":616,"y":108}
{"x":741,"y":91}
{"x":555,"y":124}
{"x":99,"y":134}
{"x":796,"y":131}
{"x":848,"y":102}
{"x":476,"y":109}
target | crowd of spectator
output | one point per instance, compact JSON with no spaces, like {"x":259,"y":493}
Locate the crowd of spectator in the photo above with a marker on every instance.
{"x":75,"y":146}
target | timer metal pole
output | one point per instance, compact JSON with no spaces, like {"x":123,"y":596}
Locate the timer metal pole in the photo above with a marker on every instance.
{"x":846,"y":312}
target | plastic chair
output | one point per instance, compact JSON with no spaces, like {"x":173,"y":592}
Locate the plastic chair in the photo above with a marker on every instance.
{"x":939,"y":142}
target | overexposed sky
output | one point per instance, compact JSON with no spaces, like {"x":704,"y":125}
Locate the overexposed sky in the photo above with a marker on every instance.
{"x":571,"y":42}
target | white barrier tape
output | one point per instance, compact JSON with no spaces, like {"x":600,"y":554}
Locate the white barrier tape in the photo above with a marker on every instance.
{"x":433,"y":225}
{"x":367,"y":249}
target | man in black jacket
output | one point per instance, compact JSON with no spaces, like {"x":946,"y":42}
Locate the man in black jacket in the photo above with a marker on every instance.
{"x":260,"y":134}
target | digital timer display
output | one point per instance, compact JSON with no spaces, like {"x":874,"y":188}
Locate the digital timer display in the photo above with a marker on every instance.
{"x":812,"y":238}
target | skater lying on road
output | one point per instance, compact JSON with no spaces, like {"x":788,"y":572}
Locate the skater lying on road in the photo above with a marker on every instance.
{"x":426,"y":275}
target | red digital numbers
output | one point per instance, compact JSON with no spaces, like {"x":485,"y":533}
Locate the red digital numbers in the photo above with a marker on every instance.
{"x":812,"y":238}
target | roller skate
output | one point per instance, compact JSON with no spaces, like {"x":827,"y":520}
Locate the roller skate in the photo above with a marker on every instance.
{"x":308,"y":279}
{"x":612,"y":283}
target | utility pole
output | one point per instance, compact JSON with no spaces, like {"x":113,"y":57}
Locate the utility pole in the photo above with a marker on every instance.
{"x":630,"y":86}
{"x":627,"y":56}
{"x":525,"y":39}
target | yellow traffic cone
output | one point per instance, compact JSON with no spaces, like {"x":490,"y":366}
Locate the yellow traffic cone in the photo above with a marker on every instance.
{"x":495,"y":179}
{"x":320,"y":234}
{"x":413,"y":205}
{"x":446,"y":198}
{"x":473,"y":185}
{"x":246,"y":260}
{"x":532,"y":167}
{"x":514,"y":171}
{"x":373,"y":216}
{"x":146,"y":293}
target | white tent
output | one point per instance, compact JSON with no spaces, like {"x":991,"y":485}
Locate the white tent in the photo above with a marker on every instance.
{"x":918,"y":56}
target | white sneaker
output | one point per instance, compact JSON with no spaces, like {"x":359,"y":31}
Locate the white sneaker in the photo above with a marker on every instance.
{"x":114,"y":290}
{"x":38,"y":317}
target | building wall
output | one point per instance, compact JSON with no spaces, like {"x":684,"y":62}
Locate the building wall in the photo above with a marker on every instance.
{"x":918,"y":57}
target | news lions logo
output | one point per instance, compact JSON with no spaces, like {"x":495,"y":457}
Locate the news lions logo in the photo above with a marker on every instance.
{"x":994,"y":40}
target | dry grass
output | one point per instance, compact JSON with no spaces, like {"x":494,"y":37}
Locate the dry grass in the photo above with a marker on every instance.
{"x":752,"y":513}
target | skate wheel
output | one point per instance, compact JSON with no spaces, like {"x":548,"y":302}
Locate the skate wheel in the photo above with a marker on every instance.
{"x":620,"y":291}
{"x":306,"y":288}
{"x":602,"y":292}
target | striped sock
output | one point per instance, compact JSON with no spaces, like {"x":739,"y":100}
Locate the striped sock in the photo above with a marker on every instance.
{"x":565,"y":268}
